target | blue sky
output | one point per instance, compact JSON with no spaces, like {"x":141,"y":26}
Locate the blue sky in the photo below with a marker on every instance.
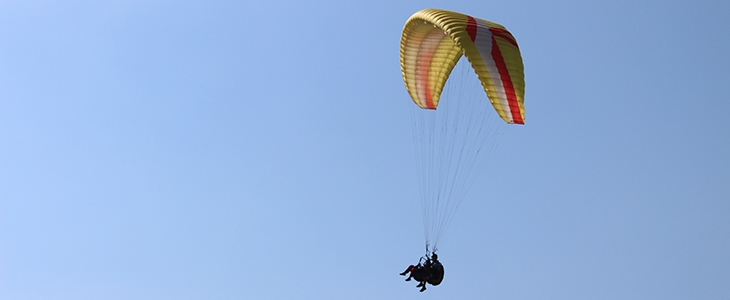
{"x":263,"y":150}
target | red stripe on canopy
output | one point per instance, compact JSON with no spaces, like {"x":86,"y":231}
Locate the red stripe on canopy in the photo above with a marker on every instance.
{"x":471,"y":28}
{"x":509,"y":89}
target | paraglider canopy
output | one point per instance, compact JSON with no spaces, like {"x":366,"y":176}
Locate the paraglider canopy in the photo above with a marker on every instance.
{"x":434,"y":40}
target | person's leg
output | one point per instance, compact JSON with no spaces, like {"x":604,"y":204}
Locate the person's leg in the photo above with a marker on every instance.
{"x":408,"y":271}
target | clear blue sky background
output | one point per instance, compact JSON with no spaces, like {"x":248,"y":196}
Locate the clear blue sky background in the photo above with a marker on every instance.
{"x":262,"y":150}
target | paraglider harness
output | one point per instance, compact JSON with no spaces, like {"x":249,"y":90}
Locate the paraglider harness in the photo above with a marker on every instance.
{"x":433,"y":267}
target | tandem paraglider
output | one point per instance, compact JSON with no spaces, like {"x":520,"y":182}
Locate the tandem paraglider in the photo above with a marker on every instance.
{"x":455,"y":136}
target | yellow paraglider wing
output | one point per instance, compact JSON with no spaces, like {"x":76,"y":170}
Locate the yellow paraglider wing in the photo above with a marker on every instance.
{"x":434,"y":40}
